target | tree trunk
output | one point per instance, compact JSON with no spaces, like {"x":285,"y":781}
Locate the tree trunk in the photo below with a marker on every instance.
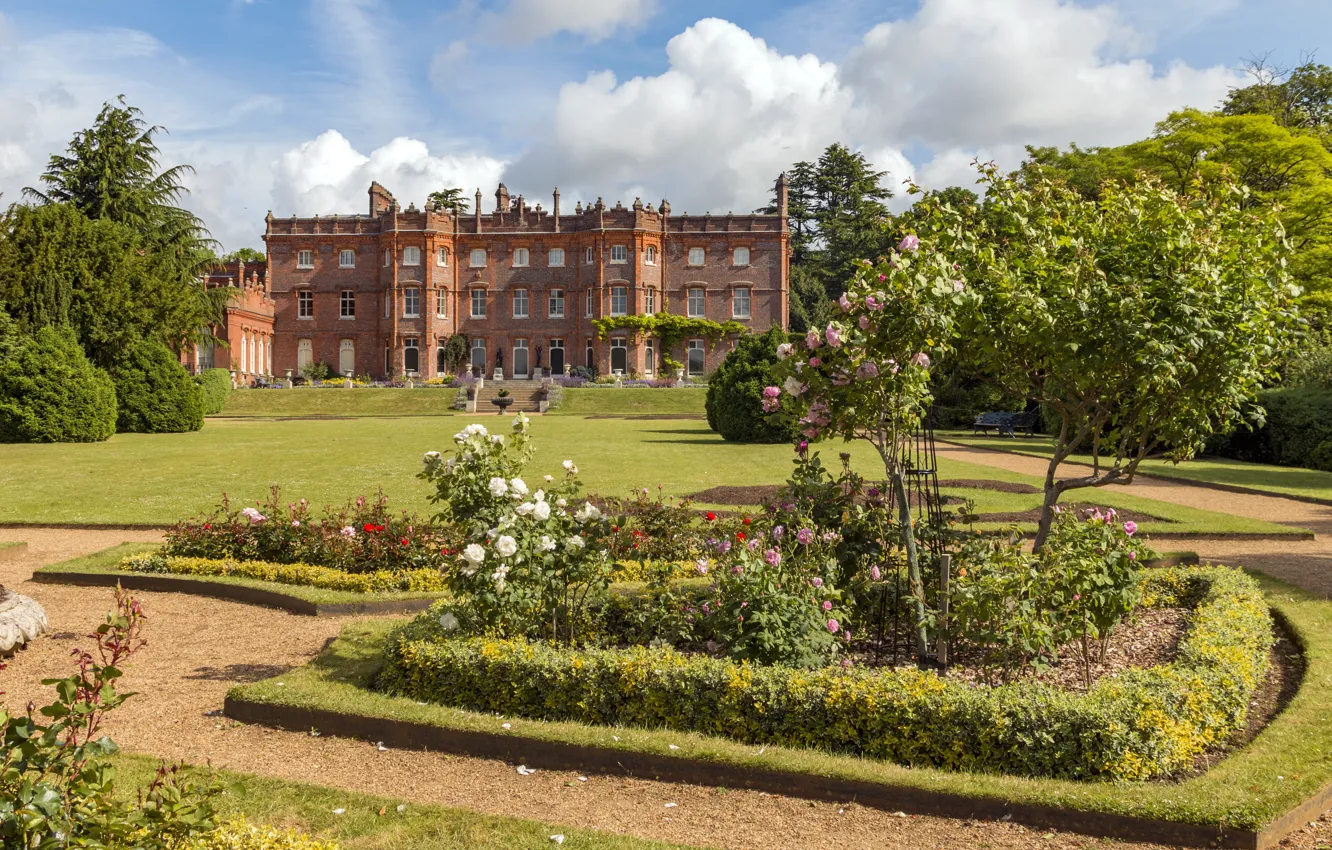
{"x":1047,"y":514}
{"x":913,"y":564}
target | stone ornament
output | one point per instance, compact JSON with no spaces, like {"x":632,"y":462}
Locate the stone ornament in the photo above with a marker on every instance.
{"x":21,"y":620}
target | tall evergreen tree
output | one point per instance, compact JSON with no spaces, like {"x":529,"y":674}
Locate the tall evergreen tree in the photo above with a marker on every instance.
{"x":451,"y":198}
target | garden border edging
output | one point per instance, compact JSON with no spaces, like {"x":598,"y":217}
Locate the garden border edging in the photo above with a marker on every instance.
{"x":553,"y":755}
{"x":232,"y":592}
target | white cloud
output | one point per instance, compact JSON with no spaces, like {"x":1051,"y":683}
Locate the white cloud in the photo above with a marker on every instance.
{"x":595,"y":20}
{"x":327,"y":175}
{"x":444,"y":64}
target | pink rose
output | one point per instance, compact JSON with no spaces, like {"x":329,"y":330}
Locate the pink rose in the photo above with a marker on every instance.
{"x":815,"y":362}
{"x":833,"y":626}
{"x":827,"y":605}
{"x":864,"y":322}
{"x":813,"y":340}
{"x":875,"y":574}
{"x":845,"y":303}
{"x":910,"y":242}
{"x":772,"y":392}
{"x":867,"y":370}
{"x":833,"y":335}
{"x":921,"y":359}
{"x":1130,"y":528}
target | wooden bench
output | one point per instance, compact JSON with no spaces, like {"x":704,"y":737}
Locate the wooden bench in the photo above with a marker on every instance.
{"x":1005,"y":423}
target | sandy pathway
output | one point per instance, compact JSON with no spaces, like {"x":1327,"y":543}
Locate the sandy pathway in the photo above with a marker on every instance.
{"x":199,"y":647}
{"x":1307,"y":563}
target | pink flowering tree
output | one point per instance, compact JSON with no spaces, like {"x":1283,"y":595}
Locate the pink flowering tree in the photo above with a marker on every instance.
{"x":866,"y":376}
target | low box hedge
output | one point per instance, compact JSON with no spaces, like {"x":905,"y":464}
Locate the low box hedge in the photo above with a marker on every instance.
{"x":423,"y":580}
{"x":1136,"y":725}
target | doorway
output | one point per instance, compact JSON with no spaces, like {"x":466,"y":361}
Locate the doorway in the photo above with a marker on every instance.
{"x":619,"y":357}
{"x":557,"y":357}
{"x":520,"y":369}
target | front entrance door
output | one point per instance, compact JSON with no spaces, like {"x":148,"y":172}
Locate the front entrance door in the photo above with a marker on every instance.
{"x":557,"y":357}
{"x":479,"y":355}
{"x":520,"y":358}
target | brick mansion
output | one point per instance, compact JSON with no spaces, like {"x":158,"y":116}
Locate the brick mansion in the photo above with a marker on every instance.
{"x":380,"y":294}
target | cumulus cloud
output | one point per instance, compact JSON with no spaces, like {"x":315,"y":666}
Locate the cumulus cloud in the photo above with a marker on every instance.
{"x":328,"y":175}
{"x":530,"y":20}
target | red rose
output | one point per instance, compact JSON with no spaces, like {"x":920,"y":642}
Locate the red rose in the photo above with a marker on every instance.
{"x":747,"y":520}
{"x":369,"y":528}
{"x":208,"y":526}
{"x":404,"y":541}
{"x":740,"y":535}
{"x":711,"y":517}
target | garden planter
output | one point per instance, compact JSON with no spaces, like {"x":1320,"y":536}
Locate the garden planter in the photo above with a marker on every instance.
{"x":502,"y":402}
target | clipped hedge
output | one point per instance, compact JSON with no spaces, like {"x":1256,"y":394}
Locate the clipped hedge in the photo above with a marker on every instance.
{"x":734,"y":403}
{"x":239,"y":834}
{"x":214,"y":387}
{"x":307,"y":575}
{"x":154,"y":393}
{"x":51,"y":393}
{"x":1134,"y":726}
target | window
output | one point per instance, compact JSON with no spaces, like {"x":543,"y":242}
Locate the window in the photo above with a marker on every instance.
{"x":649,"y":357}
{"x":305,"y":304}
{"x":696,"y":256}
{"x":696,"y":358}
{"x":442,"y":257}
{"x":740,"y":257}
{"x":521,"y":366}
{"x":305,"y":259}
{"x":619,"y":301}
{"x":411,"y":355}
{"x":619,"y":254}
{"x":520,"y":303}
{"x":388,"y":305}
{"x":388,"y":361}
{"x":555,"y":258}
{"x":619,"y":356}
{"x":347,"y":304}
{"x":478,"y":353}
{"x":556,"y":310}
{"x":521,"y":257}
{"x":411,"y":256}
{"x":650,"y":255}
{"x":478,"y":303}
{"x":304,"y":353}
{"x":587,"y":256}
{"x":346,"y":259}
{"x":591,"y":358}
{"x":587,"y":303}
{"x":388,"y":258}
{"x":411,"y":302}
{"x":740,"y":303}
{"x":442,"y":303}
{"x":696,"y":303}
{"x":245,"y":342}
{"x":478,"y":258}
{"x":650,"y":301}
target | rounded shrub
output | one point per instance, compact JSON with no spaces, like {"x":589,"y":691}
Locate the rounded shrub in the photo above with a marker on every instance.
{"x":154,"y":393}
{"x":734,"y":402}
{"x":214,"y":386}
{"x":50,"y":393}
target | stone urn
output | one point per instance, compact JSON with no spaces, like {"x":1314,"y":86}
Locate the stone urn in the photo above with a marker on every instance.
{"x":502,"y":401}
{"x":21,"y":620}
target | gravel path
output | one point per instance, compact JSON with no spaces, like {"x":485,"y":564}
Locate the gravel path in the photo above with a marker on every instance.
{"x":1307,"y":563}
{"x":199,"y":647}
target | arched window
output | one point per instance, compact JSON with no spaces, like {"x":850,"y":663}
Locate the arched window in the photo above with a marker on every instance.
{"x":304,"y":353}
{"x":244,"y":349}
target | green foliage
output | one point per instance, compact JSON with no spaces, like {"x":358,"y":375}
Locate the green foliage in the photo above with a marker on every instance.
{"x":457,"y":354}
{"x":451,"y":199}
{"x":1138,"y":725}
{"x":56,"y":788}
{"x":1146,"y":319}
{"x":1294,"y":429}
{"x":670,"y":329}
{"x":239,"y":834}
{"x":50,"y":393}
{"x":422,"y":579}
{"x":317,"y":370}
{"x":154,"y":393}
{"x":735,"y":392}
{"x":214,"y":387}
{"x":245,"y":255}
{"x":1300,"y":99}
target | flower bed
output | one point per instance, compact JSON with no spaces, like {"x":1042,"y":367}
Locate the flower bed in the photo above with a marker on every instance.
{"x":1137,"y":725}
{"x":420,"y":580}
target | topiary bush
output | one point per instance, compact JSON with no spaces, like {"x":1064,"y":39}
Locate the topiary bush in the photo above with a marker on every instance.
{"x":214,"y":386}
{"x":154,"y":393}
{"x":734,"y":402}
{"x":50,"y":393}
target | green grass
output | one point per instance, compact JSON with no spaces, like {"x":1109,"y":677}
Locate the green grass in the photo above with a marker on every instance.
{"x":324,"y":401}
{"x":107,"y":562}
{"x":1279,"y":480}
{"x":609,"y":401}
{"x":1243,"y":791}
{"x":158,"y":479}
{"x":361,"y":827}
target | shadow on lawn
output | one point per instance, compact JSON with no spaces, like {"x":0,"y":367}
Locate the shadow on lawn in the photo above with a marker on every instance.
{"x":245,"y":673}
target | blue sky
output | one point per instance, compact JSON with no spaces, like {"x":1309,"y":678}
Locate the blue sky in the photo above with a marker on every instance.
{"x":295,"y":105}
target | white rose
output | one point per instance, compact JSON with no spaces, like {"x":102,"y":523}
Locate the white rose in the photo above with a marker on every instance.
{"x":541,"y":510}
{"x":518,"y":486}
{"x":550,"y":478}
{"x":547,"y":543}
{"x":539,"y":496}
{"x":497,"y":440}
{"x":568,"y":466}
{"x":506,"y":546}
{"x":561,"y":503}
{"x":575,"y":542}
{"x":793,"y":385}
{"x":448,"y":622}
{"x":498,"y":487}
{"x":475,"y":430}
{"x":431,"y":458}
{"x":474,"y":553}
{"x":784,"y":350}
{"x":524,"y":509}
{"x":587,"y":513}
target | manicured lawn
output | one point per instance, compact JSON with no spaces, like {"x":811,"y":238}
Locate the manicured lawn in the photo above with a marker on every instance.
{"x":362,"y":827}
{"x":157,"y":479}
{"x":1282,"y":480}
{"x":330,"y":401}
{"x":631,"y":400}
{"x":1284,"y":765}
